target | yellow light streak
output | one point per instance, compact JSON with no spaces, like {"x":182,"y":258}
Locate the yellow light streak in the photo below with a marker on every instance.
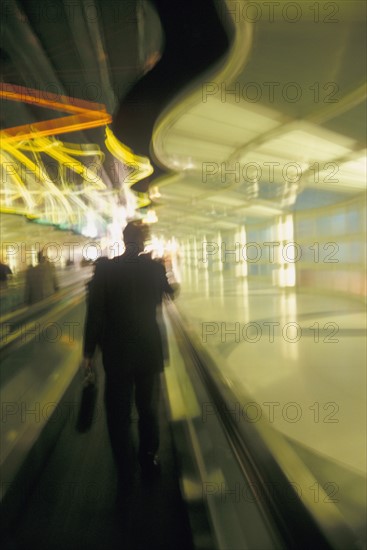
{"x":141,"y":165}
{"x":76,"y":166}
{"x":29,"y":189}
{"x":19,"y":185}
{"x":40,"y":174}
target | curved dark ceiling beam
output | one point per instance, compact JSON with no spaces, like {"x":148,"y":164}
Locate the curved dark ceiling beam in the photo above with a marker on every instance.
{"x":194,"y":40}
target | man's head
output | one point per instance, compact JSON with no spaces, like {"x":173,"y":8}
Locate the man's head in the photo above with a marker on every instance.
{"x":135,"y":234}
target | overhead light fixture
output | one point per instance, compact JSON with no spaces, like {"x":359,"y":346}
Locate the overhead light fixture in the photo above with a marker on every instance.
{"x":84,"y":114}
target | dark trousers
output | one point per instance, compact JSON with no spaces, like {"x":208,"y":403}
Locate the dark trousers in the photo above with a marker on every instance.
{"x":122,"y":385}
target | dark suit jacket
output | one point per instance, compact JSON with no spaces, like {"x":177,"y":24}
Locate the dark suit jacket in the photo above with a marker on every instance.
{"x":121,"y":314}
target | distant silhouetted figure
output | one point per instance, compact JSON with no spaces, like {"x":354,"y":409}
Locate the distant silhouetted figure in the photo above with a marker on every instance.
{"x":5,"y":271}
{"x":41,"y":281}
{"x":121,"y":317}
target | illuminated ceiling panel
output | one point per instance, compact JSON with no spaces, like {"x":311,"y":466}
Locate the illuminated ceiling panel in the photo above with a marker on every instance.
{"x":308,"y":145}
{"x":259,"y":211}
{"x":182,"y":149}
{"x":226,"y":199}
{"x":254,"y":118}
{"x":222,"y":225}
{"x":266,"y":166}
{"x":202,"y":128}
{"x":354,"y":172}
{"x":180,"y":192}
{"x":188,"y":186}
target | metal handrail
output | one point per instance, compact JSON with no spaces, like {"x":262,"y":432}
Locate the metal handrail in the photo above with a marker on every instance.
{"x":20,"y":314}
{"x":11,"y":327}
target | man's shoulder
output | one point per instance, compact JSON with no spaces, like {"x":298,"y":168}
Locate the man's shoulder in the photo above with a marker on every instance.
{"x":102,"y":264}
{"x":123,"y":262}
{"x":151,"y":263}
{"x":147,"y":259}
{"x":142,"y":259}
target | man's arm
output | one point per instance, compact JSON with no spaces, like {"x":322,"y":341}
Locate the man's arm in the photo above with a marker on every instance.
{"x":55,"y":281}
{"x":27,"y":287}
{"x":95,"y":312}
{"x":169,"y":289}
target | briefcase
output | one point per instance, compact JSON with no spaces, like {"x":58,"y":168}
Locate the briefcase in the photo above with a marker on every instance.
{"x":87,"y":404}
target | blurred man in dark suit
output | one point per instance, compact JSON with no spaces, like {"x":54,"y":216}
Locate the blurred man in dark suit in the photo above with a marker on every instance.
{"x":121,"y":318}
{"x":5,"y":271}
{"x":41,"y":281}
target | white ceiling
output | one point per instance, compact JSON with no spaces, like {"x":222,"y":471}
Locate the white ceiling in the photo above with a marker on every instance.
{"x":225,"y":151}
